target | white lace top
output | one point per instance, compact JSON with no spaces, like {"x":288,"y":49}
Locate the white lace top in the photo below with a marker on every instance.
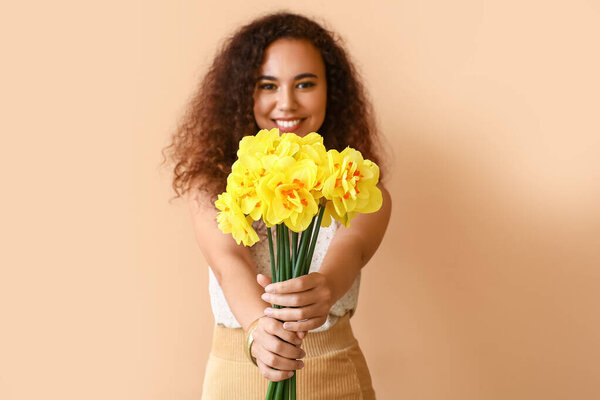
{"x":260,"y":253}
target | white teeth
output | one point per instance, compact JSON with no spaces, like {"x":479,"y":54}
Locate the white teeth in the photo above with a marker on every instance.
{"x":288,"y":124}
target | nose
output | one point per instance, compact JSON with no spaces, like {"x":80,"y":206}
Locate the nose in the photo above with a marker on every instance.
{"x":287,"y":99}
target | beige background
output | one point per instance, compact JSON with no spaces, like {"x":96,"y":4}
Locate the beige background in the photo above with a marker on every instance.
{"x":485,"y":287}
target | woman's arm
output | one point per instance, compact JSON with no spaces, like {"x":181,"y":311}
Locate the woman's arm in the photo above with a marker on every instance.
{"x":235,"y":271}
{"x":231,"y":263}
{"x":353,"y":247}
{"x":314,"y":294}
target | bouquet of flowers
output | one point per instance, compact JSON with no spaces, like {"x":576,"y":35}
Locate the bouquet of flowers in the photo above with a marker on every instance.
{"x":293,"y":184}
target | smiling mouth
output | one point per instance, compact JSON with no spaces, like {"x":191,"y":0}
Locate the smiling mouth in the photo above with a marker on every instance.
{"x":288,"y":125}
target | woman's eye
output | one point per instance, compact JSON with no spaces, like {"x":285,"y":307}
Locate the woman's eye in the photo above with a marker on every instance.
{"x":267,"y":86}
{"x":305,"y":85}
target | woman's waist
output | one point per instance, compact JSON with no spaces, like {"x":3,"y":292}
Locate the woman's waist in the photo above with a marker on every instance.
{"x":228,"y":343}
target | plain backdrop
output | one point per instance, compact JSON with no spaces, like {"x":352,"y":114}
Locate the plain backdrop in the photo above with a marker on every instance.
{"x":486,"y":285}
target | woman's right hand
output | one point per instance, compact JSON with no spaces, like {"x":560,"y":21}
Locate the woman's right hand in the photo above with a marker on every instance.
{"x":276,"y":350}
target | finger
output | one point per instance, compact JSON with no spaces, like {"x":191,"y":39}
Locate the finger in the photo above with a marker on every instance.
{"x":275,"y":361}
{"x":294,"y":314}
{"x":274,"y":327}
{"x":301,"y":334}
{"x":263,"y":280}
{"x":272,"y":374}
{"x":294,"y":285}
{"x":307,"y":325}
{"x":297,"y":299}
{"x":281,"y":348}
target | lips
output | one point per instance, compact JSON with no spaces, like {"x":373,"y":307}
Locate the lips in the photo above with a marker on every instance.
{"x":288,"y":125}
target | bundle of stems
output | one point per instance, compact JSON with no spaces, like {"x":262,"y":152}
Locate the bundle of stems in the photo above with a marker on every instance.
{"x":293,"y":260}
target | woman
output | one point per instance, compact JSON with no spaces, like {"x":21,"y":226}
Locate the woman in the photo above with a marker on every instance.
{"x":280,"y":71}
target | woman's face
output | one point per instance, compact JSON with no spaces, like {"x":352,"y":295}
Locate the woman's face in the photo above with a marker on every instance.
{"x":291,"y":90}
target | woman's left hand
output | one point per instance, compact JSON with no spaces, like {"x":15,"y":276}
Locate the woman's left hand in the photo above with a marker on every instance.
{"x":308,"y":300}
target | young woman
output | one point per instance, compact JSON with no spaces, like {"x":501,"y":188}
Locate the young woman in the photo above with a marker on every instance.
{"x":280,"y":71}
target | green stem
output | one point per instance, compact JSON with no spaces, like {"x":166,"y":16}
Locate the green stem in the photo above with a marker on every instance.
{"x":271,"y":254}
{"x":280,"y":269}
{"x":279,"y":391}
{"x":294,"y":247}
{"x":286,"y":252}
{"x":271,"y":391}
{"x":286,"y":389}
{"x":279,"y":254}
{"x":303,"y":246}
{"x":293,"y":386}
{"x":272,"y":385}
{"x":313,"y":242}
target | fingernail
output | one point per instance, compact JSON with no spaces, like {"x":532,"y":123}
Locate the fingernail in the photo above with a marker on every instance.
{"x":303,"y":354}
{"x":269,"y":288}
{"x":301,"y":364}
{"x":265,"y":297}
{"x":286,"y":326}
{"x":290,"y":374}
{"x":268,"y":311}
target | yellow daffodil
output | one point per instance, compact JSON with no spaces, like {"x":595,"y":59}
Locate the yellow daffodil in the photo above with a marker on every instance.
{"x":286,"y":193}
{"x":264,"y":142}
{"x":232,"y":220}
{"x":282,"y":179}
{"x":351,"y":185}
{"x":288,"y":145}
{"x":312,"y":148}
{"x":242,"y":182}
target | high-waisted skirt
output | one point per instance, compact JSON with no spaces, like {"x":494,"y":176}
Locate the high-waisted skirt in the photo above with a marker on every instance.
{"x":334,"y":367}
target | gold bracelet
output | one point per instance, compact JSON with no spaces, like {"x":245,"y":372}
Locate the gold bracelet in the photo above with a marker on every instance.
{"x":249,"y":339}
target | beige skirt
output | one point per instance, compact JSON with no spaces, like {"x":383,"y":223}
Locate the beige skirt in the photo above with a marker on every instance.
{"x":334,"y":367}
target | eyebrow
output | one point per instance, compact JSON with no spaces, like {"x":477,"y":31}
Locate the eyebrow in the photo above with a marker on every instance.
{"x":297,"y":77}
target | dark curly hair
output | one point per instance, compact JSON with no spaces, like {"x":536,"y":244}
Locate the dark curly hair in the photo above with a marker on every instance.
{"x":220,"y":113}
